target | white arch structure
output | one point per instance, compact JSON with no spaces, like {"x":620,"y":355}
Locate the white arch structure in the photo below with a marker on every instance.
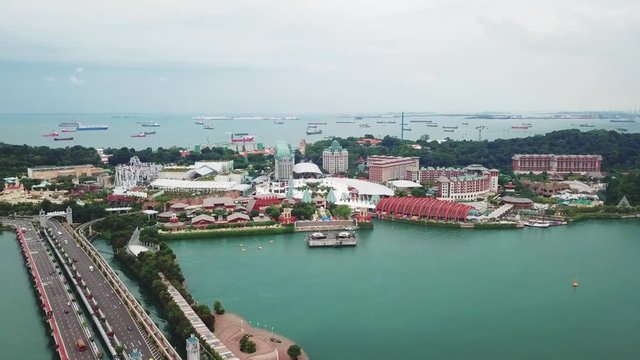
{"x":44,"y":216}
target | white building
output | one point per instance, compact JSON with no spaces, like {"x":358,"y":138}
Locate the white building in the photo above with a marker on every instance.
{"x":335,"y":159}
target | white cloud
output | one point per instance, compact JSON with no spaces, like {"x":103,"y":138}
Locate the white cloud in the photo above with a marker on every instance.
{"x":79,"y":69}
{"x":73,"y":80}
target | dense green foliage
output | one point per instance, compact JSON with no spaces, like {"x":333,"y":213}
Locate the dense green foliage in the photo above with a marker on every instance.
{"x":303,"y":211}
{"x":167,"y":156}
{"x":15,"y":159}
{"x":620,"y":151}
{"x":294,"y":351}
{"x":342,"y":211}
{"x":247,"y":346}
{"x":624,"y":184}
{"x":218,"y":308}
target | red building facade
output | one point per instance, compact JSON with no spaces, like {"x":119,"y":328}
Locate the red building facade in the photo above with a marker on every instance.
{"x":423,"y":208}
{"x":385,"y":168}
{"x":551,"y":163}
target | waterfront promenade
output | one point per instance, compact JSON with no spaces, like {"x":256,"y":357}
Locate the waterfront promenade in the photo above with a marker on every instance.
{"x":201,"y":329}
{"x":62,"y":312}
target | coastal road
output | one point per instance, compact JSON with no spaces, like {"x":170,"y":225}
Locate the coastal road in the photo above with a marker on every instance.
{"x":123,"y":325}
{"x":63,"y":308}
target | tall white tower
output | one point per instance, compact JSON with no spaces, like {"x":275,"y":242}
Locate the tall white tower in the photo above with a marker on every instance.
{"x":193,"y":348}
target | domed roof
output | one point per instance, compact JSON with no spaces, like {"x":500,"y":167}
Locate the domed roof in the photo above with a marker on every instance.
{"x":306,"y":167}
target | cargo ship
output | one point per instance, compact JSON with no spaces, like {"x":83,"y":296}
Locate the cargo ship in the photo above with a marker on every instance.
{"x":91,"y":127}
{"x":149,"y":132}
{"x":141,"y":135}
{"x":317,"y":123}
{"x":432,"y":125}
{"x":245,"y":138}
{"x":386,"y":121}
{"x":587,"y":125}
{"x":150,"y":124}
{"x":63,"y":138}
{"x":448,"y":130}
{"x":345,"y":122}
{"x":407,"y":129}
{"x":210,"y":118}
{"x":520,"y":127}
{"x":449,"y":127}
{"x":52,"y":133}
{"x":365,"y":125}
{"x":622,"y":120}
{"x":313,"y":131}
{"x":420,"y":121}
{"x":69,"y":124}
{"x":278,"y":122}
{"x":199,"y":122}
{"x":209,"y":127}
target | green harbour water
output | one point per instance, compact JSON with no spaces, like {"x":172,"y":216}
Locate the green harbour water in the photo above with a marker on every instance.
{"x":22,"y":332}
{"x":410,"y":292}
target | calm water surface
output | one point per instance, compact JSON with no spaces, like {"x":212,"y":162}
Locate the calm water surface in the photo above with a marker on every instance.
{"x":22,"y":332}
{"x":409,"y":292}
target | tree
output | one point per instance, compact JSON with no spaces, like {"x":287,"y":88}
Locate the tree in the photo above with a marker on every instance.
{"x":419,"y":192}
{"x":400,"y":193}
{"x":273,"y":212}
{"x":294,"y":351}
{"x":217,"y":308}
{"x":342,"y":211}
{"x":247,"y":346}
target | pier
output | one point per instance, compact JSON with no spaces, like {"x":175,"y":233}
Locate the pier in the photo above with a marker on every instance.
{"x":344,"y":238}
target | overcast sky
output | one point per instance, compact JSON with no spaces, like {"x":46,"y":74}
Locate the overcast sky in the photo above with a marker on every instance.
{"x":302,"y":56}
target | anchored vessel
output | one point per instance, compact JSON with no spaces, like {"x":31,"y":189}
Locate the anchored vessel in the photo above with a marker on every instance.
{"x":313,"y":131}
{"x":82,"y":127}
{"x":150,"y":124}
{"x":343,"y":238}
{"x":63,"y":138}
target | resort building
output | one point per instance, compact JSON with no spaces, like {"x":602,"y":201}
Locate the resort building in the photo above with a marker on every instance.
{"x":284,"y":160}
{"x":306,"y":170}
{"x":423,"y":209}
{"x":199,"y":169}
{"x":385,"y":168}
{"x":431,"y":174}
{"x":551,"y":163}
{"x":53,"y":172}
{"x":335,"y":159}
{"x":458,"y":184}
{"x":171,"y":185}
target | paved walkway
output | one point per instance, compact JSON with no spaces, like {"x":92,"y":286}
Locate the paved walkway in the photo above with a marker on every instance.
{"x":197,"y":324}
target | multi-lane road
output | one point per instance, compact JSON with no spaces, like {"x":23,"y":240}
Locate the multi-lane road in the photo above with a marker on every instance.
{"x":68,"y":324}
{"x":115,"y":312}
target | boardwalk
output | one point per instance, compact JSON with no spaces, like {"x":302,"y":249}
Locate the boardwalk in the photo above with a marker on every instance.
{"x":202,"y":330}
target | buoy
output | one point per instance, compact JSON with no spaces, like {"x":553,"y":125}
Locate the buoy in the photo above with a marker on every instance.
{"x":243,"y":249}
{"x":271,"y":241}
{"x":575,"y":284}
{"x":259,"y":247}
{"x":241,"y":245}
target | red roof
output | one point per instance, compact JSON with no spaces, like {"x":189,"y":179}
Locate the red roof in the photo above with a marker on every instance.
{"x":428,"y":208}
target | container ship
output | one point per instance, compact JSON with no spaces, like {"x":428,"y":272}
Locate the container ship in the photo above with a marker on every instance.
{"x":63,"y":138}
{"x":91,"y":127}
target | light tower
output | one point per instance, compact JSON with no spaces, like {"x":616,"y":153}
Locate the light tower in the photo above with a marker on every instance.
{"x":402,"y":126}
{"x":480,"y":129}
{"x":193,"y":348}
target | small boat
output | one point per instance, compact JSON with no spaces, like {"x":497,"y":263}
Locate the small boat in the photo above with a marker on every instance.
{"x":199,"y":122}
{"x":537,"y":224}
{"x":528,"y":124}
{"x":449,"y":130}
{"x":51,"y":134}
{"x":278,"y":122}
{"x":358,"y":117}
{"x":407,"y":129}
{"x":140,"y":135}
{"x":449,"y":127}
{"x":63,"y":138}
{"x":575,"y":284}
{"x":587,"y":125}
{"x":68,"y":130}
{"x":209,"y":127}
{"x":365,"y":125}
{"x":465,"y":123}
{"x":386,"y":122}
{"x":432,"y":125}
{"x":149,"y":132}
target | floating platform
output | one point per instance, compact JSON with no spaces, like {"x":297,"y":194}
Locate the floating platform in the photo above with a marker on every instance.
{"x":339,"y":239}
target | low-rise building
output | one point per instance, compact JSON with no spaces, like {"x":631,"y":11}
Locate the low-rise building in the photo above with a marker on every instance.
{"x":53,"y":172}
{"x":552,"y":163}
